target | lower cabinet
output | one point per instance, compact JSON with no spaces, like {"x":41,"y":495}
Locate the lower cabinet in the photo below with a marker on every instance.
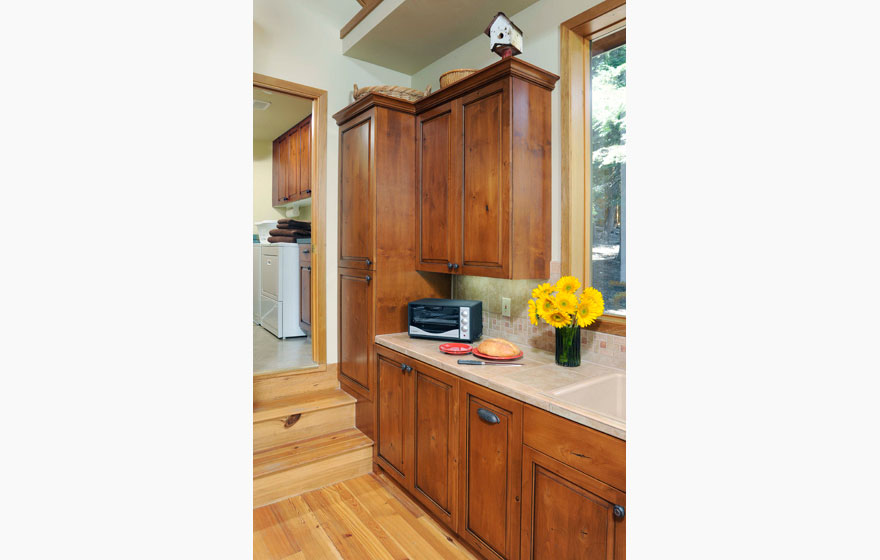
{"x":568,"y":514}
{"x":490,"y":471}
{"x":458,"y":448}
{"x":417,"y":436}
{"x":393,"y":417}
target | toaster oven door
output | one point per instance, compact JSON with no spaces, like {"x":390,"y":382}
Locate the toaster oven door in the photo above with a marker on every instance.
{"x":435,"y":322}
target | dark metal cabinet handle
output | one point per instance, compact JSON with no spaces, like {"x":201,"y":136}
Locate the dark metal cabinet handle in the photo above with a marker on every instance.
{"x":449,"y":266}
{"x":285,"y":199}
{"x":487,"y":416}
{"x":291,"y":420}
{"x":309,"y":191}
{"x":402,"y":367}
{"x":310,"y":269}
{"x":368,"y":278}
{"x":408,"y":368}
{"x":306,"y":251}
{"x":455,"y":266}
{"x":619,"y":512}
{"x":369,"y":262}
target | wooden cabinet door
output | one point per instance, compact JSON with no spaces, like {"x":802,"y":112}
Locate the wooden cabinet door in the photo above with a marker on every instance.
{"x":305,"y":159}
{"x":293,"y":167}
{"x":283,"y":168}
{"x":276,"y":172}
{"x":567,"y":514}
{"x":438,"y":187}
{"x":356,"y":194}
{"x":436,"y":442}
{"x":305,"y":301}
{"x":393,"y":417}
{"x":356,"y":327}
{"x":485,"y":196}
{"x":491,"y":471}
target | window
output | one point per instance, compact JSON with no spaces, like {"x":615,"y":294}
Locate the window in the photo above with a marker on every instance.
{"x":593,"y":94}
{"x":608,"y":170}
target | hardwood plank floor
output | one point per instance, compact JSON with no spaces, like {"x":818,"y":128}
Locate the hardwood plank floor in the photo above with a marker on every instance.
{"x":359,"y":519}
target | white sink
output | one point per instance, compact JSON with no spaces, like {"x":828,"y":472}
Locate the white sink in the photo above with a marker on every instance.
{"x":605,"y":394}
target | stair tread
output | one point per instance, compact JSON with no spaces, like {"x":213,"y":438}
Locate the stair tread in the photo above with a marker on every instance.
{"x":303,"y":452}
{"x":304,"y":402}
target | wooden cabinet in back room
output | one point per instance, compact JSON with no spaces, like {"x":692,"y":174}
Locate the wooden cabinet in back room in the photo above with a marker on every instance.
{"x":483,"y":174}
{"x":291,"y":164}
{"x":376,"y":246}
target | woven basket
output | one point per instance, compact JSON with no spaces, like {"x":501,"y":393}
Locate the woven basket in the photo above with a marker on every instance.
{"x":405,"y":93}
{"x":449,"y":78}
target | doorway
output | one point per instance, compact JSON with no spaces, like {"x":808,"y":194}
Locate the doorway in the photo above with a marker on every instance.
{"x":289,"y":292}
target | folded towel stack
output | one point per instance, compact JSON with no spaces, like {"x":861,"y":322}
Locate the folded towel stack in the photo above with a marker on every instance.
{"x":288,"y":231}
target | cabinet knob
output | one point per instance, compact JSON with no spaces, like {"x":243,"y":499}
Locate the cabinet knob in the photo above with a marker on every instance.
{"x":369,"y":262}
{"x":455,"y":266}
{"x":285,"y":199}
{"x":487,"y":416}
{"x":408,"y":368}
{"x":402,"y":367}
{"x":309,"y":191}
{"x":306,"y":252}
{"x":619,"y":512}
{"x":449,"y":266}
{"x":367,"y":278}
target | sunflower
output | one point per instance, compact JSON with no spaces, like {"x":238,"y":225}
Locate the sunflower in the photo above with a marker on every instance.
{"x":533,"y":312}
{"x":558,"y":319}
{"x":546,"y":305}
{"x":544,"y":289}
{"x":590,"y":307}
{"x":568,"y":285}
{"x":567,"y":303}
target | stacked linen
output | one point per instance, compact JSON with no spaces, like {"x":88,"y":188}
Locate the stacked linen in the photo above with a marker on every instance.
{"x":288,"y":231}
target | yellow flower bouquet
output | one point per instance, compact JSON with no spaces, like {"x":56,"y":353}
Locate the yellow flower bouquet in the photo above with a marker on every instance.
{"x":561,"y":308}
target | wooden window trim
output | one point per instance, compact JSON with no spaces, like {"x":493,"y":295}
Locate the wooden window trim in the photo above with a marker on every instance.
{"x":574,"y":42}
{"x":318,"y":180}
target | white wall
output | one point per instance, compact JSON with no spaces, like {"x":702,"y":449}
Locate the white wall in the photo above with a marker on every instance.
{"x":540,"y":25}
{"x":298,"y":41}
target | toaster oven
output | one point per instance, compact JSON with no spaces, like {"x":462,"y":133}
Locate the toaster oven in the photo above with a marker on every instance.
{"x":446,"y":319}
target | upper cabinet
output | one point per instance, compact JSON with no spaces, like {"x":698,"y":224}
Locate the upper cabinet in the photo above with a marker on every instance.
{"x":291,"y":164}
{"x":483,"y":174}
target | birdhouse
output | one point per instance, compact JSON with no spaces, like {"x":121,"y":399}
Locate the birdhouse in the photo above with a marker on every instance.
{"x":505,"y":38}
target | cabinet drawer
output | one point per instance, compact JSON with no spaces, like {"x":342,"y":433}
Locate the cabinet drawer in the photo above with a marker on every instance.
{"x":594,"y":453}
{"x":305,"y":255}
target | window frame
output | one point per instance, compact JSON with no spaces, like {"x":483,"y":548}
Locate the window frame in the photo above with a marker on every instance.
{"x":575,"y":35}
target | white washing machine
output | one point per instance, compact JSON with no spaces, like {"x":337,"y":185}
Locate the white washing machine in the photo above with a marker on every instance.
{"x":279,"y":279}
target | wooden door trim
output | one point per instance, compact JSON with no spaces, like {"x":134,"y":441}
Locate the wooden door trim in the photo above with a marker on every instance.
{"x":318,"y":180}
{"x":575,"y":98}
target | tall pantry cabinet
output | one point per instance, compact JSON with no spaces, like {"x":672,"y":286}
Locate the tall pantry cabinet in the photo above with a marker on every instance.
{"x":377,"y":203}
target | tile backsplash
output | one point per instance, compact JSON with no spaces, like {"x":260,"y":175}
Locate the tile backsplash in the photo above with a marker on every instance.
{"x":601,"y":348}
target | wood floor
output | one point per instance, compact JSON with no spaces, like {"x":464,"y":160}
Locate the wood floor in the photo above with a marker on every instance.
{"x":364,"y":518}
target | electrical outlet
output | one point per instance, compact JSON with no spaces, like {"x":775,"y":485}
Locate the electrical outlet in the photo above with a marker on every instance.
{"x":505,"y":306}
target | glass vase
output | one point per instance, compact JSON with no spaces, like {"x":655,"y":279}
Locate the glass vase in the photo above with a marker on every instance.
{"x":568,"y":346}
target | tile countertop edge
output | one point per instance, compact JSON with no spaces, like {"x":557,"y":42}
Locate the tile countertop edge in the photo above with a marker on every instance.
{"x":514,"y":389}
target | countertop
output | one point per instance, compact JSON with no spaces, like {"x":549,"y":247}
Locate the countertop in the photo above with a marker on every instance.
{"x":535,"y":382}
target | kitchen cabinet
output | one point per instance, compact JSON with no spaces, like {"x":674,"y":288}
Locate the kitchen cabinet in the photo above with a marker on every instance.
{"x":568,"y":514}
{"x":305,"y":287}
{"x":393,"y":417}
{"x":356,"y":329}
{"x":484,"y":174}
{"x":291,"y":164}
{"x":510,"y":479}
{"x":376,"y":247}
{"x":417,"y":435}
{"x":491,"y":452}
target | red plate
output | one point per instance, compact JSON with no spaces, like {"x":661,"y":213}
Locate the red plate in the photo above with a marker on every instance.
{"x":487,"y":357}
{"x":455,"y":348}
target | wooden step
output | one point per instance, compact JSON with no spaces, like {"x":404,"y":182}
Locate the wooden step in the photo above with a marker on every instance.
{"x":293,"y":468}
{"x":275,"y":386}
{"x":302,"y":416}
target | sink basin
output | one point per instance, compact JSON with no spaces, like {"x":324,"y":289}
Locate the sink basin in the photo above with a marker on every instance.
{"x":605,"y":394}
